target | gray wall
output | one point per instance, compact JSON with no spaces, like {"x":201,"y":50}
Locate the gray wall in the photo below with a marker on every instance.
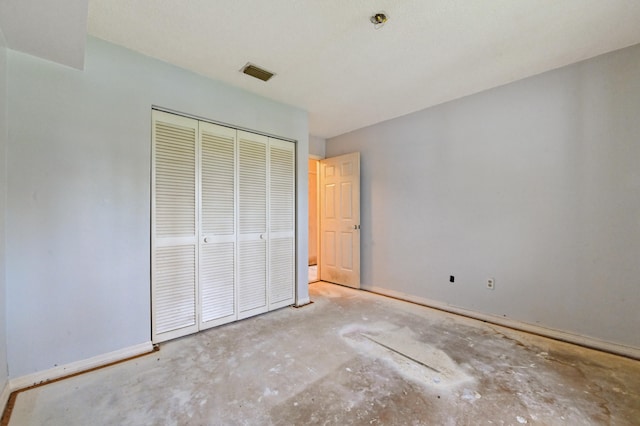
{"x":3,"y":198}
{"x":317,"y":146}
{"x":535,"y":183}
{"x":78,"y":219}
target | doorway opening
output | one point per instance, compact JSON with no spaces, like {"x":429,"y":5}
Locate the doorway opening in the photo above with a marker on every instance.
{"x":314,"y":220}
{"x":334,"y":219}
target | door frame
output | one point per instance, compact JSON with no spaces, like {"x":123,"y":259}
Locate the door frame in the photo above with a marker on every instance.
{"x":319,"y":215}
{"x":317,"y":158}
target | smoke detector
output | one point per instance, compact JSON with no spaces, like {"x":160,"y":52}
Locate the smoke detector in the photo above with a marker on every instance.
{"x":379,"y":19}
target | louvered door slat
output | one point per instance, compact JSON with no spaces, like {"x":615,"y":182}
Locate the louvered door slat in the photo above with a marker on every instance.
{"x":281,"y":260}
{"x":175,"y":284}
{"x":252,"y":224}
{"x":217,"y":281}
{"x":252,"y":275}
{"x":175,"y":173}
{"x":217,"y":222}
{"x":281,"y":195}
{"x":253,"y":185}
{"x":281,"y":223}
{"x":218,"y":189}
{"x":174,"y":225}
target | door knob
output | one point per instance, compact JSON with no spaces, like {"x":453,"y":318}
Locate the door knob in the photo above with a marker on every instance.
{"x":262,"y":236}
{"x":206,"y":239}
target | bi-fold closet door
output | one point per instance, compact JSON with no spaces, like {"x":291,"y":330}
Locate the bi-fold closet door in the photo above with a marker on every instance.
{"x":223,"y":225}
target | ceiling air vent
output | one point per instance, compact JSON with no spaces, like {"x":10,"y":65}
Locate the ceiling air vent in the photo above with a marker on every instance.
{"x":257,"y":72}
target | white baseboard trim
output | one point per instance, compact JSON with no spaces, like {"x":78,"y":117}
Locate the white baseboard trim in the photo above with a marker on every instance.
{"x":4,"y":396}
{"x":563,"y":336}
{"x":78,"y":366}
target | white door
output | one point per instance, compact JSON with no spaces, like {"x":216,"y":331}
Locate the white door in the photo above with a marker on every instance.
{"x":282,"y":220}
{"x":218,"y":223}
{"x":174,"y":257}
{"x":340,"y":220}
{"x":252,"y":224}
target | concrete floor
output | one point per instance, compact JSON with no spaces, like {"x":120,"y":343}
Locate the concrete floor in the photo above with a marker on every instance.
{"x":350,"y":358}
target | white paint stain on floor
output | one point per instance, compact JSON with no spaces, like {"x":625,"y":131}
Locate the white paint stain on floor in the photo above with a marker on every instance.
{"x":401,"y":348}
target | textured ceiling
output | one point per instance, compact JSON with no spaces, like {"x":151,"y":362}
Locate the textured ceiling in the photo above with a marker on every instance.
{"x":328,"y":57}
{"x":331,"y":61}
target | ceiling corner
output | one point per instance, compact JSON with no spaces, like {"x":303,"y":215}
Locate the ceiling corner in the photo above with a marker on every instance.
{"x":55,"y":30}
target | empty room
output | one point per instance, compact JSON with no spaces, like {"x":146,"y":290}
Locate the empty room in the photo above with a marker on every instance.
{"x":320,"y":212}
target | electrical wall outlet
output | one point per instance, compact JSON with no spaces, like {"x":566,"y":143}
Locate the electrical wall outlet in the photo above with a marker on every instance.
{"x":491,"y":283}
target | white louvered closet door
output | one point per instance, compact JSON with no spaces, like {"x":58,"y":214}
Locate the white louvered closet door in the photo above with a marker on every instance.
{"x":223,"y":225}
{"x":252,"y":224}
{"x":281,"y":223}
{"x":217,"y":230}
{"x":174,"y":226}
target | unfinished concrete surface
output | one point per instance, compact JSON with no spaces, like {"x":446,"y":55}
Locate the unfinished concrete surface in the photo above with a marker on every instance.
{"x":350,"y":358}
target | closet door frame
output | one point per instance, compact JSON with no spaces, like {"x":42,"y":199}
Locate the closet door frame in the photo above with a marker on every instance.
{"x":173,"y":117}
